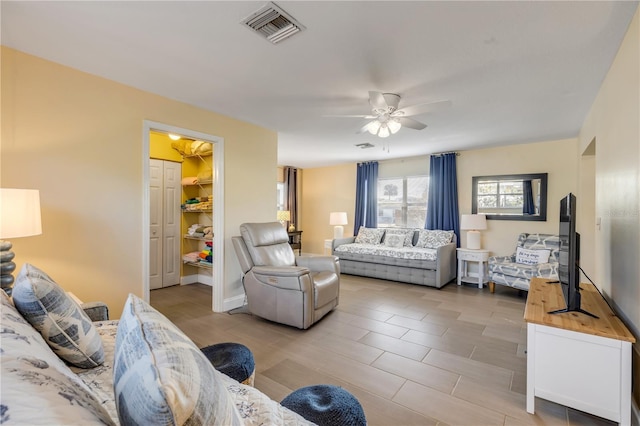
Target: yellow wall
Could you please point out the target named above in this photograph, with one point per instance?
(325, 190)
(557, 158)
(160, 148)
(328, 189)
(614, 123)
(78, 139)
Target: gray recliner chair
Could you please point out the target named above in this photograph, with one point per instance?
(282, 287)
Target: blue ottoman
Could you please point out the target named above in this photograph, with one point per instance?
(326, 405)
(234, 360)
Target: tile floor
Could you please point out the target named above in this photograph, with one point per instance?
(412, 355)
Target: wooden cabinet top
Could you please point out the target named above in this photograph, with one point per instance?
(544, 297)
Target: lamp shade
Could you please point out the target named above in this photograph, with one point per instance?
(19, 213)
(338, 218)
(473, 222)
(283, 215)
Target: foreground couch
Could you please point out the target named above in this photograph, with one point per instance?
(415, 256)
(60, 368)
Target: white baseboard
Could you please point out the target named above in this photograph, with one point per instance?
(197, 278)
(233, 302)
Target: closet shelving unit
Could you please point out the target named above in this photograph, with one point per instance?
(203, 188)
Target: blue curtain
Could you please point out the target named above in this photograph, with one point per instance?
(528, 206)
(442, 206)
(366, 196)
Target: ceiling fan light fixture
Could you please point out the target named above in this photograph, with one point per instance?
(373, 127)
(384, 131)
(394, 125)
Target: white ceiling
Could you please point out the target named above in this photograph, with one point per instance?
(515, 72)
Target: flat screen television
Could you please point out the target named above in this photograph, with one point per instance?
(569, 257)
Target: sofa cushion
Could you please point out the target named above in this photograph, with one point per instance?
(35, 379)
(379, 252)
(428, 238)
(61, 321)
(100, 379)
(369, 235)
(161, 377)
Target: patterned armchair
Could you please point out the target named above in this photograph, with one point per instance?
(504, 270)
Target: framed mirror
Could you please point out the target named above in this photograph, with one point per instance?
(510, 197)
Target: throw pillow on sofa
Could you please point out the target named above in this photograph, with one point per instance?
(405, 235)
(161, 377)
(63, 324)
(433, 239)
(37, 387)
(369, 235)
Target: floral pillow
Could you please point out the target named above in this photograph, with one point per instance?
(405, 235)
(369, 235)
(433, 238)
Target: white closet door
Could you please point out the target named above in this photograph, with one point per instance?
(155, 210)
(171, 223)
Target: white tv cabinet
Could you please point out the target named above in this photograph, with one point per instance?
(574, 359)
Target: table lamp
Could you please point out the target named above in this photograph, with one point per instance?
(283, 216)
(473, 224)
(19, 217)
(338, 219)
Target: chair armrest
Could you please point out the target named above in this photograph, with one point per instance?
(280, 271)
(284, 277)
(96, 311)
(318, 263)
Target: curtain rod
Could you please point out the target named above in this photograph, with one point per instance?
(448, 152)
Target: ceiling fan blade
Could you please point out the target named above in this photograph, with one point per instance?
(411, 123)
(377, 101)
(364, 129)
(422, 108)
(368, 116)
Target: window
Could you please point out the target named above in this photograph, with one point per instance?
(402, 202)
(280, 192)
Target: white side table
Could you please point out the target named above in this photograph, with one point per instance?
(328, 245)
(467, 255)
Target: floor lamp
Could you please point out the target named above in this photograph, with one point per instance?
(19, 217)
(338, 219)
(473, 224)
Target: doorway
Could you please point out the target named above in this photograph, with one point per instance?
(216, 273)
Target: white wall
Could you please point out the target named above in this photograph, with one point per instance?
(614, 123)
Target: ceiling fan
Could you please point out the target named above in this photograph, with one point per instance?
(387, 119)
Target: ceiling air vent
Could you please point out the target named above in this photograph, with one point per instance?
(273, 23)
(364, 145)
